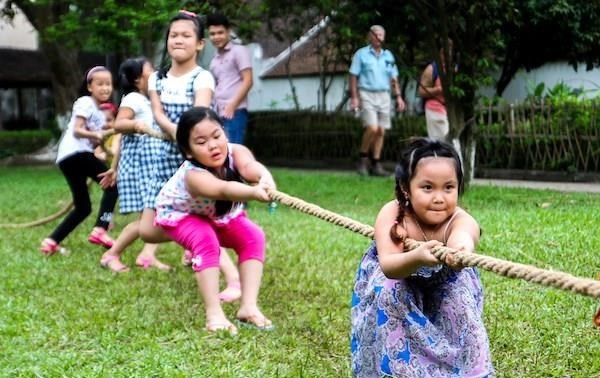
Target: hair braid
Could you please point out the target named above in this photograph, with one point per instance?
(402, 199)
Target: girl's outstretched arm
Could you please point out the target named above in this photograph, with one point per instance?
(127, 124)
(160, 117)
(463, 235)
(205, 184)
(394, 262)
(80, 130)
(250, 169)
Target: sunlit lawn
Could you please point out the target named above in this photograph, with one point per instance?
(65, 316)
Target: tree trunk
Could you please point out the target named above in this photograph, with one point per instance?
(65, 75)
(462, 135)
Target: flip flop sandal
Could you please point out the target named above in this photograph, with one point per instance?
(113, 263)
(101, 238)
(147, 263)
(50, 247)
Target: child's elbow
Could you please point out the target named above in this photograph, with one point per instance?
(391, 272)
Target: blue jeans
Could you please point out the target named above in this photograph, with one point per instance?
(236, 127)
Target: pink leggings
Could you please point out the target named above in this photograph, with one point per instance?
(204, 238)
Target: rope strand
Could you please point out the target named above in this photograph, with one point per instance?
(558, 280)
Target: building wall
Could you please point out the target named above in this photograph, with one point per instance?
(552, 74)
(18, 34)
(274, 93)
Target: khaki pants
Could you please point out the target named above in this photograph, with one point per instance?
(437, 124)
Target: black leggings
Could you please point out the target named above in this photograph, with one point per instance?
(76, 169)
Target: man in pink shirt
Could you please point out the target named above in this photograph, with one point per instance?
(232, 68)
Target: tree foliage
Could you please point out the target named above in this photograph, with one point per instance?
(114, 28)
(546, 31)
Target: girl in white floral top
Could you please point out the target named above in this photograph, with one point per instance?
(200, 208)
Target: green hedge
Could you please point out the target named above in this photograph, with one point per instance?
(308, 135)
(23, 141)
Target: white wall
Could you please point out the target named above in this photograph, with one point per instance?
(276, 94)
(18, 34)
(551, 74)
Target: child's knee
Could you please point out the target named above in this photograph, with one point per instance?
(205, 259)
(254, 247)
(83, 210)
(205, 253)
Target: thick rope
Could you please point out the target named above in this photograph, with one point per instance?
(41, 221)
(38, 222)
(558, 280)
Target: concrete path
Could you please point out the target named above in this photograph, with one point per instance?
(585, 187)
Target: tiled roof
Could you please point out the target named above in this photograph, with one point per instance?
(306, 56)
(304, 61)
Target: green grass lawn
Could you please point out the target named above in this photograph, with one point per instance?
(64, 316)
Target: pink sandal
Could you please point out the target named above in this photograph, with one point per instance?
(147, 263)
(113, 263)
(232, 292)
(50, 247)
(100, 238)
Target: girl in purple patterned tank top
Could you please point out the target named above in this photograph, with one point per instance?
(411, 315)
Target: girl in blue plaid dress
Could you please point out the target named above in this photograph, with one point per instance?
(134, 160)
(173, 90)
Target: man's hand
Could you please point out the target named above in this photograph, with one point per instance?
(400, 105)
(355, 102)
(228, 111)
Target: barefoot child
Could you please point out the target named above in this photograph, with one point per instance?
(77, 162)
(411, 316)
(200, 208)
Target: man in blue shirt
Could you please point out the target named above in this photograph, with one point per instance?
(373, 74)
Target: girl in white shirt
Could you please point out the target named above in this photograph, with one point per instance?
(77, 162)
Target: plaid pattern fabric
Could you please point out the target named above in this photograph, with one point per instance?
(128, 174)
(168, 159)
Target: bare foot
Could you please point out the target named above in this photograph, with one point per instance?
(232, 293)
(217, 324)
(254, 319)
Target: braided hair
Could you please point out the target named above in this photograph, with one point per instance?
(418, 149)
(188, 120)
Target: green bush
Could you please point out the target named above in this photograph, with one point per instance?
(306, 135)
(23, 141)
